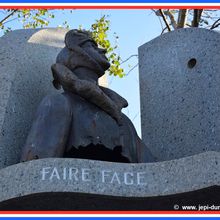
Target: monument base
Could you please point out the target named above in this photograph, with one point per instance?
(78, 184)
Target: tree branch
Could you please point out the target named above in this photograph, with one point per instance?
(163, 30)
(134, 55)
(165, 20)
(131, 69)
(215, 24)
(8, 16)
(158, 15)
(196, 17)
(13, 19)
(172, 19)
(182, 18)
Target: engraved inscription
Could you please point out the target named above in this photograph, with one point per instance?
(85, 175)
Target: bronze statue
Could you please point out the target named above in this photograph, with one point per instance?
(85, 121)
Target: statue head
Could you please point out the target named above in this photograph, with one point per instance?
(82, 51)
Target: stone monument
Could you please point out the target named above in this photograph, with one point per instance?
(65, 181)
(180, 93)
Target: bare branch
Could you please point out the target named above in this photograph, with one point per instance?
(158, 15)
(172, 19)
(13, 19)
(131, 69)
(8, 16)
(134, 55)
(215, 24)
(165, 20)
(200, 14)
(135, 116)
(196, 17)
(182, 18)
(211, 10)
(207, 15)
(163, 30)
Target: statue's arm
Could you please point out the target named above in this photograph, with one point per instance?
(50, 129)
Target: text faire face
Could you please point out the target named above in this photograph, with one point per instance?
(86, 175)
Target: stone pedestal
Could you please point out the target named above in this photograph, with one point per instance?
(180, 93)
(77, 184)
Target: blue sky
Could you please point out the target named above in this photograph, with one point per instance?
(134, 28)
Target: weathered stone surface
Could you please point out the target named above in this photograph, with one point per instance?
(180, 93)
(48, 179)
(26, 57)
(25, 78)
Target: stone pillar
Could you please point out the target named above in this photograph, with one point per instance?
(25, 78)
(180, 93)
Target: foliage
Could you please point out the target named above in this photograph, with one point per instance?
(99, 32)
(35, 18)
(28, 18)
